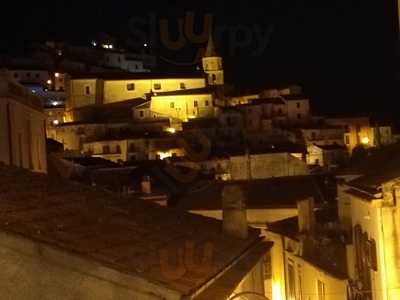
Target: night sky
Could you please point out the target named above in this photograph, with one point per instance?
(342, 51)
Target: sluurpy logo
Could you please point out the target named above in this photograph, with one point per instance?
(189, 258)
(153, 31)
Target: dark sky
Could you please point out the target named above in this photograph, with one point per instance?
(342, 51)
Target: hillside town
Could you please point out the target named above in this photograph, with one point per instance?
(124, 181)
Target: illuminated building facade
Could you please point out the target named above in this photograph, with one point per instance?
(22, 127)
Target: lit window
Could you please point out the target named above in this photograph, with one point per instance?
(172, 105)
(196, 104)
(130, 86)
(157, 86)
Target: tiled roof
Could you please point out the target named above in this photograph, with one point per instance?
(126, 235)
(199, 91)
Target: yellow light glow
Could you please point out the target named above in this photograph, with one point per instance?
(56, 122)
(49, 81)
(57, 75)
(276, 291)
(164, 155)
(365, 140)
(191, 117)
(171, 130)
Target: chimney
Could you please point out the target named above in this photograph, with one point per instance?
(306, 215)
(146, 185)
(234, 213)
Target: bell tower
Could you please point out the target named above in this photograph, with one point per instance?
(212, 64)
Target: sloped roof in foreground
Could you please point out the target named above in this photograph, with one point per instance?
(125, 235)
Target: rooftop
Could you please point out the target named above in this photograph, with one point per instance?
(325, 249)
(283, 192)
(295, 97)
(135, 76)
(200, 91)
(379, 167)
(125, 235)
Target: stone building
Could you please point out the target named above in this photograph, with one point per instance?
(266, 201)
(369, 211)
(309, 256)
(252, 166)
(329, 156)
(22, 127)
(361, 131)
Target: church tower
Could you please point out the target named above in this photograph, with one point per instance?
(212, 64)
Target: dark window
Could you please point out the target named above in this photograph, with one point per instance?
(118, 149)
(299, 116)
(16, 75)
(196, 104)
(132, 148)
(37, 75)
(214, 77)
(321, 290)
(130, 86)
(292, 282)
(87, 90)
(141, 113)
(298, 104)
(347, 140)
(267, 266)
(157, 86)
(313, 135)
(206, 103)
(28, 74)
(373, 258)
(183, 86)
(172, 105)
